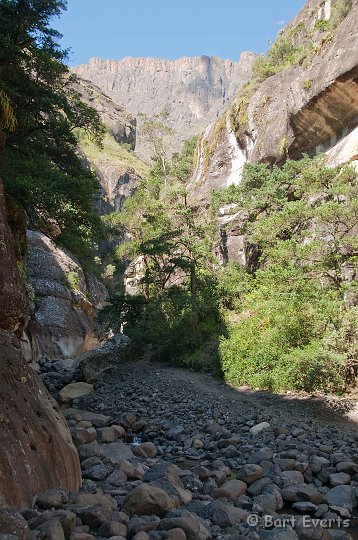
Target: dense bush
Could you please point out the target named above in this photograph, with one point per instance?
(295, 329)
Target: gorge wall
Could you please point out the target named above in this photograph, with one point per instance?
(36, 447)
(194, 91)
(117, 168)
(65, 298)
(309, 107)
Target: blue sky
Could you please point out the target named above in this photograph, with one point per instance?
(112, 29)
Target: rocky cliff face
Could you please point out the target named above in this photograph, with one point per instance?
(36, 448)
(194, 91)
(115, 165)
(65, 301)
(309, 107)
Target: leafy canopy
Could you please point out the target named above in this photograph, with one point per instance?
(40, 166)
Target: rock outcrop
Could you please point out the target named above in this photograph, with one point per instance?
(116, 166)
(36, 449)
(117, 120)
(194, 91)
(65, 301)
(309, 107)
(94, 364)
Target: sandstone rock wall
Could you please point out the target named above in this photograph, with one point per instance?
(220, 161)
(118, 121)
(306, 108)
(36, 448)
(117, 184)
(36, 452)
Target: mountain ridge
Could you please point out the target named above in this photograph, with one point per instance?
(193, 90)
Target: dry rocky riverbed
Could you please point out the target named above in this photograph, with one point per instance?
(169, 453)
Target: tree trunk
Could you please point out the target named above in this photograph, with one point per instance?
(194, 306)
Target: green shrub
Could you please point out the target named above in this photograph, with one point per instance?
(321, 24)
(73, 280)
(315, 368)
(293, 329)
(340, 10)
(281, 54)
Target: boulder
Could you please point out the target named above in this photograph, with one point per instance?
(12, 523)
(108, 529)
(97, 420)
(228, 515)
(338, 479)
(147, 499)
(255, 430)
(230, 490)
(341, 496)
(52, 498)
(163, 470)
(189, 523)
(250, 473)
(146, 450)
(292, 478)
(116, 452)
(178, 494)
(74, 391)
(93, 515)
(302, 492)
(95, 363)
(52, 529)
(83, 435)
(65, 517)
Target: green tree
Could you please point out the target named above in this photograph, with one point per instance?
(155, 132)
(175, 250)
(298, 324)
(40, 166)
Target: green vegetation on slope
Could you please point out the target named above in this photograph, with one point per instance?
(119, 155)
(297, 327)
(174, 312)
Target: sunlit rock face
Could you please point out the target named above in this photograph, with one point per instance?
(220, 161)
(193, 90)
(308, 108)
